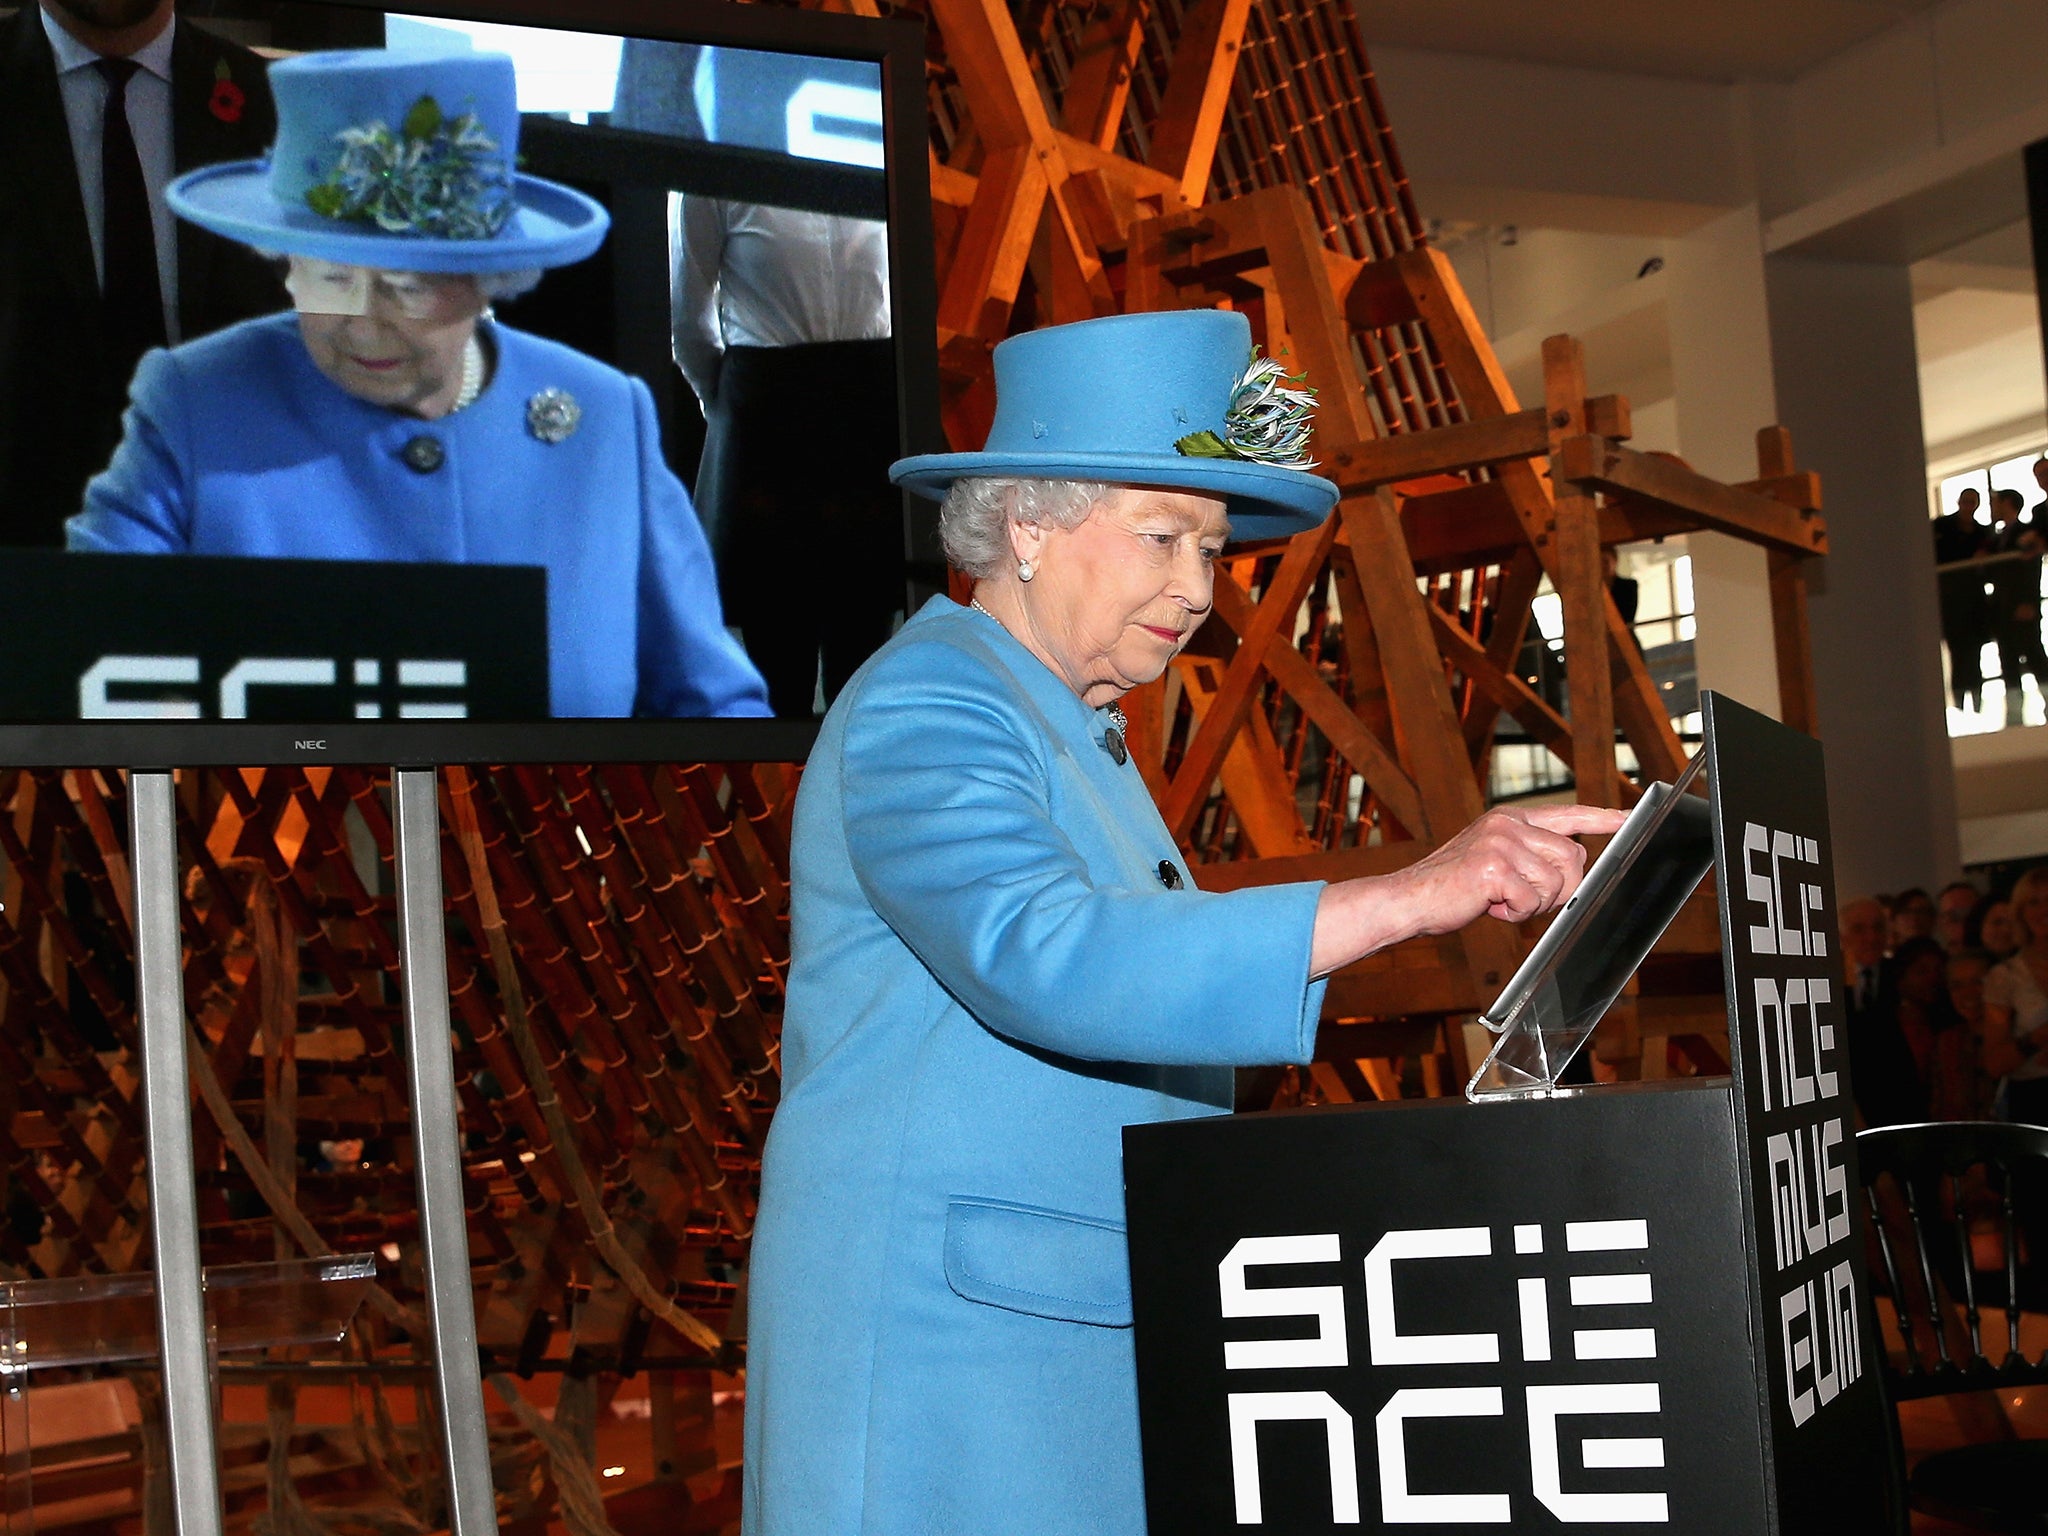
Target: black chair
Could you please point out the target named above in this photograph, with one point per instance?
(2001, 1485)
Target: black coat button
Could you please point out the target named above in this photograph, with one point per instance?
(1169, 876)
(424, 454)
(1113, 744)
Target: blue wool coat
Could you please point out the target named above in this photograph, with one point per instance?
(237, 445)
(988, 982)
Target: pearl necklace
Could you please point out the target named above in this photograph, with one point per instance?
(472, 376)
(1119, 727)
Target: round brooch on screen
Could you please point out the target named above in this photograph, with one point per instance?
(553, 415)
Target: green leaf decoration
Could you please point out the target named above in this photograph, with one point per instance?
(424, 120)
(327, 200)
(1204, 445)
(221, 70)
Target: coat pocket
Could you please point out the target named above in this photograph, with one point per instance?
(1045, 1263)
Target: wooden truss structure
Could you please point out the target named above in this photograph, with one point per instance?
(619, 936)
(1340, 720)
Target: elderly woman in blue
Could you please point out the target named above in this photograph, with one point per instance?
(999, 959)
(392, 419)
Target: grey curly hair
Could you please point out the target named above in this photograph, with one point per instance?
(974, 521)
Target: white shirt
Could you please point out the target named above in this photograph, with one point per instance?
(84, 90)
(748, 275)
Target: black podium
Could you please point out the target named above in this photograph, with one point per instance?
(1630, 1306)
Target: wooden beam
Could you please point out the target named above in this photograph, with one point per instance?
(1332, 865)
(983, 49)
(1260, 791)
(1362, 466)
(1488, 439)
(1330, 1081)
(1514, 601)
(1190, 113)
(1283, 227)
(1297, 675)
(1219, 727)
(1610, 416)
(1099, 83)
(1792, 642)
(1638, 704)
(1077, 286)
(1139, 179)
(1474, 524)
(954, 189)
(1368, 675)
(1544, 724)
(1254, 781)
(1377, 297)
(1791, 636)
(1799, 488)
(1010, 118)
(1146, 710)
(1589, 461)
(1425, 720)
(1441, 304)
(1432, 983)
(995, 244)
(1581, 584)
(1469, 526)
(1104, 210)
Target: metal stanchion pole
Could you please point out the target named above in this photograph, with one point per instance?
(437, 1154)
(167, 1124)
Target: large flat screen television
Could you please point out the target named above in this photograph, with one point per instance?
(350, 580)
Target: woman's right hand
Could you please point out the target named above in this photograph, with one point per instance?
(1509, 864)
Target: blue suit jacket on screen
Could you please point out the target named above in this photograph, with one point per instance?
(237, 445)
(989, 981)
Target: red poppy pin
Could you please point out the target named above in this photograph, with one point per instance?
(228, 99)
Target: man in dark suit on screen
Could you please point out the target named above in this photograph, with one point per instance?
(101, 103)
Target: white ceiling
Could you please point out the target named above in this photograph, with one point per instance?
(1722, 40)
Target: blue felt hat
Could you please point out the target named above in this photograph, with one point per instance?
(402, 161)
(1108, 400)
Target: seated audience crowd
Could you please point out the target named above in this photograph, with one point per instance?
(1947, 1002)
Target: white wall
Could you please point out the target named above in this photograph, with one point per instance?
(1722, 386)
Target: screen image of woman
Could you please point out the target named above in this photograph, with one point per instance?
(393, 418)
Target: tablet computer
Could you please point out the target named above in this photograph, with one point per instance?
(1585, 958)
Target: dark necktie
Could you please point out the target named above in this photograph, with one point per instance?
(132, 298)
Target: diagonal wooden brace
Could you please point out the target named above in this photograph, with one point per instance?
(1277, 607)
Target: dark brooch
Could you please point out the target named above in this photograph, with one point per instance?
(1113, 738)
(553, 415)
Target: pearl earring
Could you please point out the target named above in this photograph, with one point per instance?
(1026, 570)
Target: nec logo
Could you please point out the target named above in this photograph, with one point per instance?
(310, 746)
(1613, 1290)
(176, 688)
